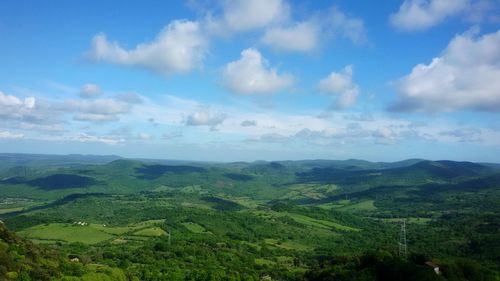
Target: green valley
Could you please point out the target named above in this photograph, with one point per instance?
(124, 219)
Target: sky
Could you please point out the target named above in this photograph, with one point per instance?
(236, 80)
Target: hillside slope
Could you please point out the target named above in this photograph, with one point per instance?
(20, 259)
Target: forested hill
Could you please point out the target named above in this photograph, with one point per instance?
(93, 218)
(20, 259)
(23, 260)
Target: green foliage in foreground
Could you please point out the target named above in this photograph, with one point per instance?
(22, 260)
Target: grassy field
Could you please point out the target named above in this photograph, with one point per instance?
(118, 230)
(329, 206)
(67, 233)
(194, 227)
(312, 191)
(320, 223)
(89, 234)
(10, 210)
(305, 220)
(367, 205)
(115, 230)
(150, 232)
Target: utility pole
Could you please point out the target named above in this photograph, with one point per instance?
(402, 240)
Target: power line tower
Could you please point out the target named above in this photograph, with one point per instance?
(402, 240)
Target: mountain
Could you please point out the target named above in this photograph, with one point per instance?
(10, 160)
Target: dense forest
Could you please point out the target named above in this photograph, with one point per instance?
(107, 218)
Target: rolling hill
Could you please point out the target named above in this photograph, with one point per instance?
(287, 220)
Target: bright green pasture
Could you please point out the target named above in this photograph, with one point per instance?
(194, 227)
(150, 232)
(67, 233)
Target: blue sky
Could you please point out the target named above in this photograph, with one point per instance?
(248, 80)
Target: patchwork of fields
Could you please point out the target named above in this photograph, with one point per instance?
(260, 219)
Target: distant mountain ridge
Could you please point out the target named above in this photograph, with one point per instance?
(9, 160)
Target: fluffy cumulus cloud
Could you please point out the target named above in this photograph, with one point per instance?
(178, 48)
(98, 110)
(340, 84)
(306, 35)
(30, 114)
(301, 36)
(242, 15)
(12, 107)
(89, 91)
(465, 76)
(251, 74)
(205, 118)
(49, 119)
(414, 15)
(7, 101)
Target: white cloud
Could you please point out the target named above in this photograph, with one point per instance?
(251, 74)
(466, 76)
(299, 37)
(85, 137)
(15, 102)
(93, 117)
(89, 91)
(340, 24)
(243, 15)
(205, 118)
(340, 85)
(12, 107)
(414, 15)
(178, 48)
(10, 135)
(98, 110)
(29, 102)
(306, 35)
(103, 106)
